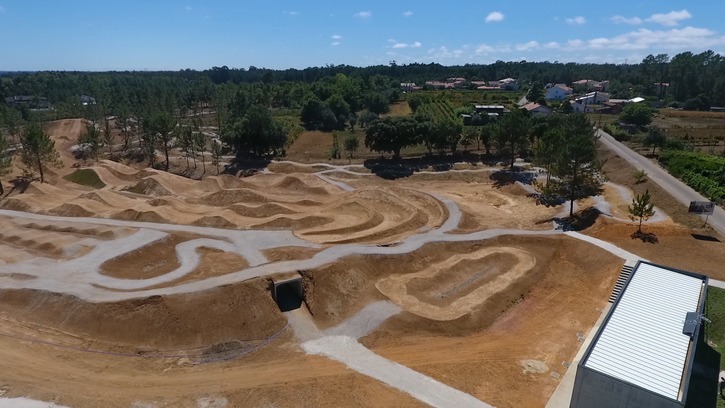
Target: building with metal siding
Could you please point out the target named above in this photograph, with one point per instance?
(641, 356)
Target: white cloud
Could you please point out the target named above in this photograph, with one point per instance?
(484, 49)
(531, 45)
(670, 19)
(335, 43)
(291, 13)
(624, 20)
(416, 44)
(407, 13)
(494, 17)
(363, 14)
(578, 20)
(336, 37)
(443, 52)
(688, 38)
(551, 45)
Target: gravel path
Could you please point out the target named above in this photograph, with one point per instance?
(679, 190)
(348, 351)
(340, 344)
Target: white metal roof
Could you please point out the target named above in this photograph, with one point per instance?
(642, 343)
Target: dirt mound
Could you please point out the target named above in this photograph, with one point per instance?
(294, 223)
(119, 170)
(223, 182)
(226, 198)
(215, 221)
(261, 211)
(95, 197)
(150, 186)
(70, 210)
(135, 215)
(93, 231)
(296, 185)
(337, 291)
(241, 312)
(15, 204)
(159, 202)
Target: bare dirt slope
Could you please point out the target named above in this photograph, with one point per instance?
(494, 317)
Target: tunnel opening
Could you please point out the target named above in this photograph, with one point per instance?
(289, 295)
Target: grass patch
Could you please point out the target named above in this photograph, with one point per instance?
(716, 313)
(85, 177)
(715, 333)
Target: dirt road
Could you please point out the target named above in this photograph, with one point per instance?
(681, 191)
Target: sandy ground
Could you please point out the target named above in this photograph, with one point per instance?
(154, 290)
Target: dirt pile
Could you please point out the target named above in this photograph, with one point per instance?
(337, 291)
(241, 312)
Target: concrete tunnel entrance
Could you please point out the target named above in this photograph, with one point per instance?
(287, 292)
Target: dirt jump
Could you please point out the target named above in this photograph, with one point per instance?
(158, 290)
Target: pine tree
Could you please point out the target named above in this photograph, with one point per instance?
(641, 209)
(6, 160)
(38, 150)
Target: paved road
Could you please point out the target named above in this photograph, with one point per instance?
(675, 187)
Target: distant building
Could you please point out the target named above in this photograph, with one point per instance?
(508, 84)
(558, 92)
(467, 119)
(27, 101)
(409, 87)
(591, 85)
(650, 349)
(593, 98)
(449, 83)
(87, 100)
(490, 110)
(537, 110)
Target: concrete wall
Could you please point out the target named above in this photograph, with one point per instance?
(595, 390)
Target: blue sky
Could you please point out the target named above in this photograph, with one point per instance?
(171, 35)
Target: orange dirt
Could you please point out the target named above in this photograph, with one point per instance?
(504, 334)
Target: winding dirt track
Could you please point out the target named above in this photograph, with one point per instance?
(80, 276)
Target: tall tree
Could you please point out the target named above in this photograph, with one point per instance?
(108, 138)
(257, 132)
(641, 209)
(90, 142)
(391, 134)
(536, 93)
(200, 145)
(636, 114)
(38, 150)
(6, 160)
(511, 134)
(352, 143)
(576, 163)
(217, 150)
(161, 125)
(655, 137)
(546, 150)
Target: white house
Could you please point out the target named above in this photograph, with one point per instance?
(508, 84)
(580, 107)
(537, 110)
(593, 98)
(558, 92)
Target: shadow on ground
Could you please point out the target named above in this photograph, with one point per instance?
(581, 220)
(506, 177)
(703, 387)
(647, 237)
(701, 237)
(391, 169)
